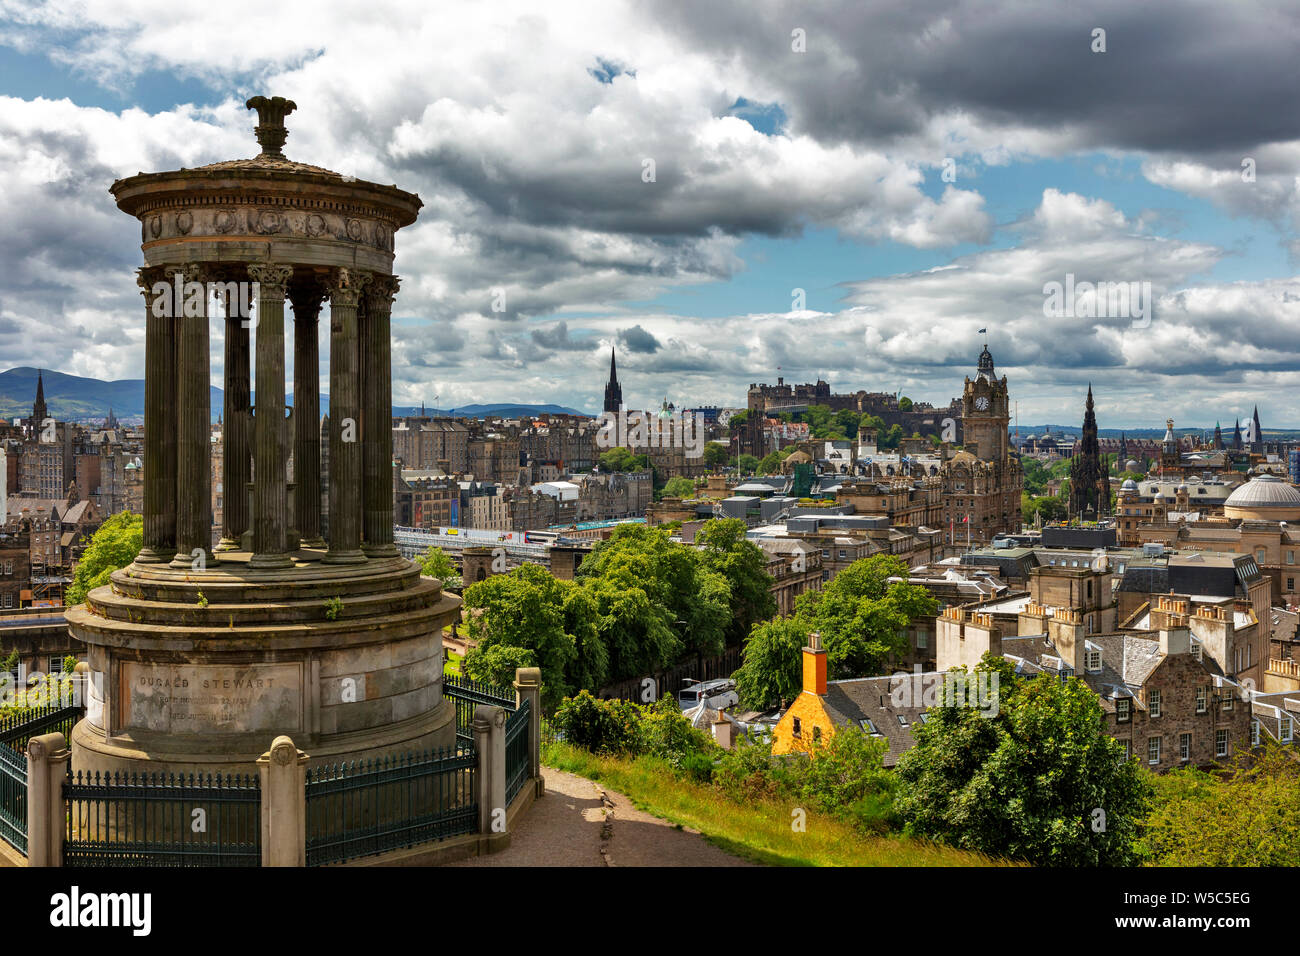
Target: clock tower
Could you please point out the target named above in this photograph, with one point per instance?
(985, 412)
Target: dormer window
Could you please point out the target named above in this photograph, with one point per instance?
(1092, 660)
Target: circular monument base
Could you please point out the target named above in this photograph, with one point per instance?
(198, 671)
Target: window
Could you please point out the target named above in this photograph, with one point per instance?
(925, 718)
(1254, 732)
(1092, 660)
(1153, 702)
(922, 640)
(817, 735)
(1128, 749)
(1153, 750)
(1221, 743)
(902, 721)
(1290, 557)
(1290, 584)
(1259, 555)
(843, 554)
(9, 600)
(1123, 709)
(56, 664)
(1227, 701)
(1286, 728)
(798, 728)
(1197, 651)
(1184, 747)
(869, 727)
(1202, 700)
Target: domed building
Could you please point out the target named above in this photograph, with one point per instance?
(1265, 498)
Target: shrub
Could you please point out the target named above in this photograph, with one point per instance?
(601, 726)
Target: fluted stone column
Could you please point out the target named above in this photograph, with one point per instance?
(238, 419)
(270, 431)
(377, 418)
(345, 288)
(159, 420)
(306, 301)
(193, 421)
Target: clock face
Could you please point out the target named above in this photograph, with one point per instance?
(982, 403)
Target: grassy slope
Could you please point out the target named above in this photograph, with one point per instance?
(755, 830)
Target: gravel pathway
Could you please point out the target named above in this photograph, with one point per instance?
(579, 823)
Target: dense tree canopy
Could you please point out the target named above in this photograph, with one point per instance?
(113, 546)
(1038, 780)
(679, 486)
(639, 602)
(862, 617)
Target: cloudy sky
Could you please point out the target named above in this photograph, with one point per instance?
(919, 171)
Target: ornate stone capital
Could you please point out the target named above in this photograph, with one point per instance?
(196, 272)
(383, 291)
(346, 286)
(272, 278)
(148, 279)
(306, 298)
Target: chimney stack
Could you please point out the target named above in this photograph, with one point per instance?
(814, 666)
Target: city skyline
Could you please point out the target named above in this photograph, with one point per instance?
(940, 205)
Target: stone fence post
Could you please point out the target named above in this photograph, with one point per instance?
(490, 742)
(528, 686)
(81, 678)
(283, 774)
(47, 766)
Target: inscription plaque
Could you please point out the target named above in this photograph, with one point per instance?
(213, 699)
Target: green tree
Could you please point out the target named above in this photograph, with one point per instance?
(771, 671)
(747, 464)
(771, 464)
(1250, 817)
(1039, 780)
(113, 546)
(904, 404)
(667, 582)
(436, 563)
(518, 620)
(679, 486)
(725, 549)
(622, 460)
(716, 454)
(862, 616)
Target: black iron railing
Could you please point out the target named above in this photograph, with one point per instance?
(17, 729)
(360, 809)
(467, 694)
(162, 820)
(13, 798)
(517, 728)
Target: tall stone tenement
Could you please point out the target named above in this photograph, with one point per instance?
(201, 657)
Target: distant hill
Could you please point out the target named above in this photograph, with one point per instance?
(481, 411)
(74, 398)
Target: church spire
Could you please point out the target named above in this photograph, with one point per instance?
(613, 391)
(39, 411)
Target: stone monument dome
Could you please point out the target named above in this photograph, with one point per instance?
(1267, 497)
(301, 618)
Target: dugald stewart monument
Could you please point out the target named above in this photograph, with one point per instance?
(303, 620)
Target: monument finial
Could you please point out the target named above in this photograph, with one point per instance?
(270, 129)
